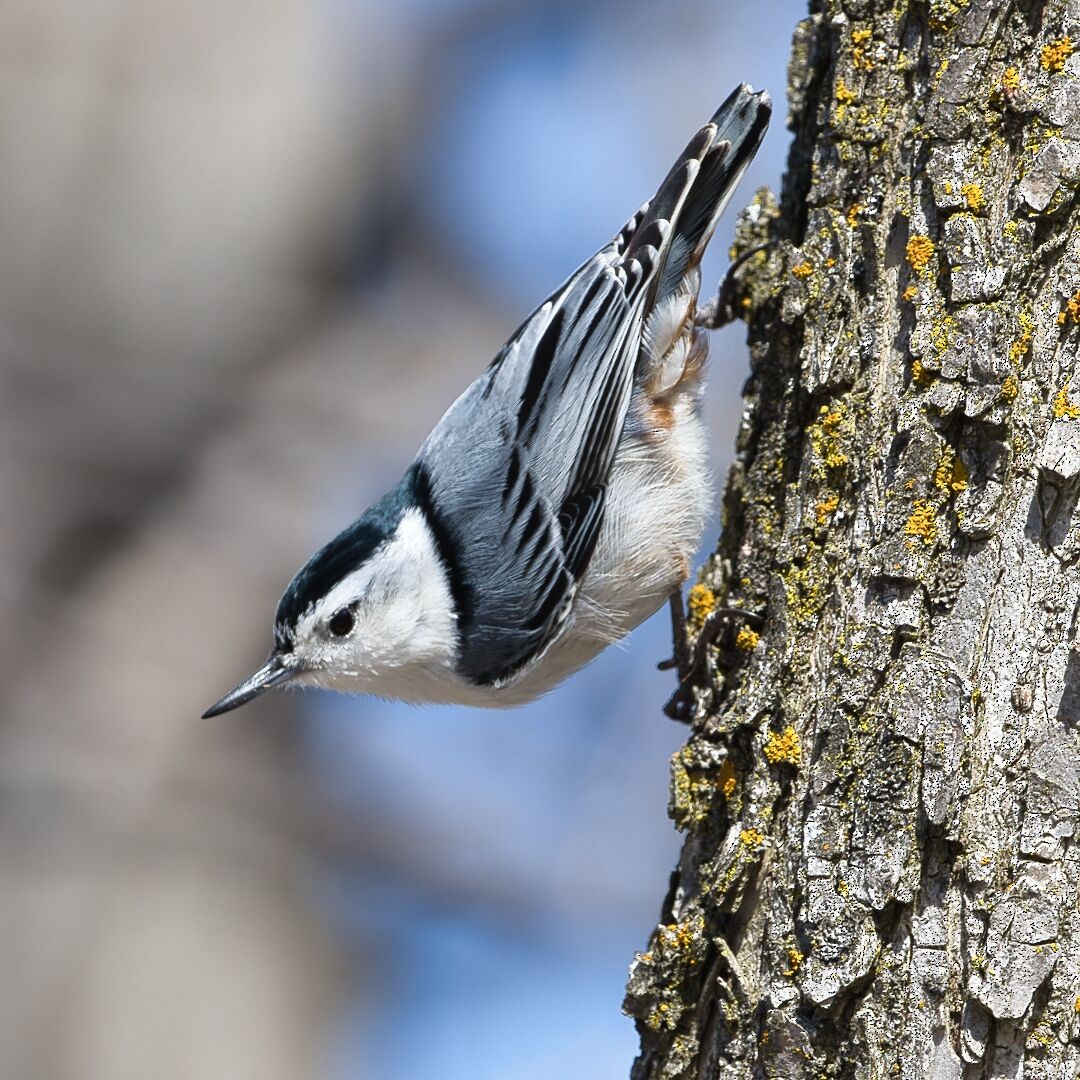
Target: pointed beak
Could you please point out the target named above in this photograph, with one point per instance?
(275, 670)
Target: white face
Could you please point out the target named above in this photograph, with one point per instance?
(392, 614)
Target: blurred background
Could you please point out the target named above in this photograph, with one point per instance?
(249, 252)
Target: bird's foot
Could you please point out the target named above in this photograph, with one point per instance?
(679, 704)
(721, 309)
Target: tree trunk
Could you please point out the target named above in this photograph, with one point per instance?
(881, 786)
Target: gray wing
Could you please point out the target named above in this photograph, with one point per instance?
(514, 476)
(513, 479)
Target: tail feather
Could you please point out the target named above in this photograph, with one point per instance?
(682, 216)
(741, 122)
(740, 125)
(663, 207)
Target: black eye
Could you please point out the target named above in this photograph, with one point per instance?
(342, 622)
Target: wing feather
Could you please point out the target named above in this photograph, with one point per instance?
(516, 472)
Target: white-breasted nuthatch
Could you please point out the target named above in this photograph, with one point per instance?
(558, 502)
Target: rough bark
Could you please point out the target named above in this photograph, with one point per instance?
(881, 792)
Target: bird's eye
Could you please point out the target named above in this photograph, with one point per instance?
(342, 622)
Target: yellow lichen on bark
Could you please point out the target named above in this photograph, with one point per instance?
(783, 746)
(701, 603)
(1054, 55)
(825, 509)
(922, 523)
(1022, 345)
(973, 196)
(859, 40)
(1063, 407)
(1070, 311)
(950, 475)
(919, 250)
(795, 959)
(727, 778)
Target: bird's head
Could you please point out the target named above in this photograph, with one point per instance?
(375, 601)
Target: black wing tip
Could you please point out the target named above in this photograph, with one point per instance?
(744, 108)
(764, 98)
(741, 122)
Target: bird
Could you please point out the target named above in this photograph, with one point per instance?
(558, 502)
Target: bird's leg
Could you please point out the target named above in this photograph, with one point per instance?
(678, 705)
(721, 309)
(680, 658)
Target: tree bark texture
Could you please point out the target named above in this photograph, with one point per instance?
(881, 786)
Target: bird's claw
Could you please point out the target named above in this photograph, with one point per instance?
(721, 309)
(692, 660)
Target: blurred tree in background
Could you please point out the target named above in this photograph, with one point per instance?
(881, 794)
(251, 251)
